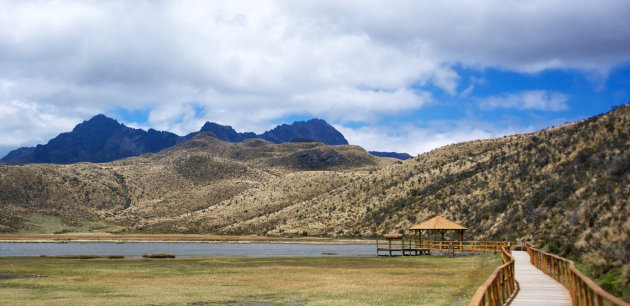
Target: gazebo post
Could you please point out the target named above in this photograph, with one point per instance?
(415, 238)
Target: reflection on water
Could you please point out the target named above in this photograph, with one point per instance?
(185, 249)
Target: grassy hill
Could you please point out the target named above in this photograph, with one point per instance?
(193, 176)
(566, 189)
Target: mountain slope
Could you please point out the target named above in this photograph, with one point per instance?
(503, 188)
(100, 139)
(226, 132)
(151, 188)
(18, 156)
(315, 129)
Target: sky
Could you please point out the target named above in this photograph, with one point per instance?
(405, 76)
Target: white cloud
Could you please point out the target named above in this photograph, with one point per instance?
(30, 123)
(466, 92)
(350, 104)
(263, 60)
(409, 139)
(415, 140)
(528, 100)
(517, 35)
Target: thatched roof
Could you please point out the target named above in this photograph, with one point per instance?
(393, 236)
(437, 223)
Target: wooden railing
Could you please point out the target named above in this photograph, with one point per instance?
(393, 245)
(408, 246)
(582, 289)
(468, 246)
(500, 286)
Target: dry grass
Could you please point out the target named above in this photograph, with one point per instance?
(340, 281)
(244, 180)
(104, 237)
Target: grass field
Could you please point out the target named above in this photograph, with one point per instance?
(233, 280)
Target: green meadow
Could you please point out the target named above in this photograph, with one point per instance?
(422, 280)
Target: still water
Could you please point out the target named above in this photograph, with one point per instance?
(186, 249)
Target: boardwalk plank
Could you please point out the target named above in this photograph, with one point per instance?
(536, 287)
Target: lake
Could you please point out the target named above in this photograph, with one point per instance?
(186, 249)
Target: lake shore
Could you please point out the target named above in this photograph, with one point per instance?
(106, 237)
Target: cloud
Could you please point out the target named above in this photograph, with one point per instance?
(466, 92)
(528, 100)
(248, 63)
(415, 140)
(31, 123)
(526, 36)
(350, 104)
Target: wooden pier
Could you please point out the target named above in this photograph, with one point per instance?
(526, 277)
(399, 246)
(536, 277)
(536, 287)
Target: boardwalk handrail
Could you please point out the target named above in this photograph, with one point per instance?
(467, 246)
(408, 246)
(582, 289)
(500, 286)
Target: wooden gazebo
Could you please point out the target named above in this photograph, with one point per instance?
(435, 226)
(435, 243)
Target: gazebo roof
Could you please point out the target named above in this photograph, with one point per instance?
(393, 236)
(437, 223)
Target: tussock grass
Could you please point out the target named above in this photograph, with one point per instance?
(314, 281)
(161, 255)
(77, 256)
(83, 256)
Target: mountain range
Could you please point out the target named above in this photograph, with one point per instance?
(102, 139)
(565, 189)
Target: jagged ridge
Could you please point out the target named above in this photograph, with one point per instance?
(102, 139)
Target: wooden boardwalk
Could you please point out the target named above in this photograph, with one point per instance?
(536, 287)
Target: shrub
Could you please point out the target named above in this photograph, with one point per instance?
(161, 255)
(619, 164)
(498, 206)
(77, 256)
